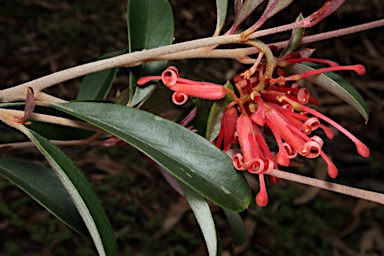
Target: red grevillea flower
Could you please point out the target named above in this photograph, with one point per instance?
(267, 105)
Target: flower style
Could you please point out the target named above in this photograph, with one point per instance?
(277, 105)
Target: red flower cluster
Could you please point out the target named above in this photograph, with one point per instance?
(276, 105)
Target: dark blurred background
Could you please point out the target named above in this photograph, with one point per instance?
(38, 37)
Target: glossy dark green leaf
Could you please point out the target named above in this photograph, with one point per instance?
(333, 83)
(204, 218)
(216, 114)
(150, 25)
(123, 97)
(200, 121)
(96, 86)
(59, 132)
(42, 184)
(160, 101)
(221, 10)
(237, 226)
(187, 156)
(81, 192)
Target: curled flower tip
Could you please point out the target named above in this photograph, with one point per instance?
(303, 95)
(179, 98)
(173, 68)
(362, 149)
(310, 125)
(311, 149)
(237, 161)
(169, 76)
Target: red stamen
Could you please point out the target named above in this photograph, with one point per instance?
(359, 69)
(262, 197)
(332, 170)
(286, 62)
(147, 79)
(361, 148)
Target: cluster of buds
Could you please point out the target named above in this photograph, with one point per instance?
(273, 104)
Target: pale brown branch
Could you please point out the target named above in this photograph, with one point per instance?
(355, 192)
(14, 115)
(29, 144)
(129, 59)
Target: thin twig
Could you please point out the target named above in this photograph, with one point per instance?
(355, 192)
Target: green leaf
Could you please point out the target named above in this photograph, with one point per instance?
(295, 39)
(237, 227)
(333, 83)
(189, 157)
(246, 9)
(200, 121)
(59, 132)
(41, 184)
(204, 217)
(150, 25)
(96, 86)
(159, 101)
(12, 104)
(281, 4)
(81, 192)
(216, 114)
(221, 8)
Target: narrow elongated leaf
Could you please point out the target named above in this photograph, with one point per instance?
(237, 226)
(59, 132)
(295, 39)
(81, 193)
(247, 8)
(42, 184)
(204, 217)
(11, 104)
(221, 9)
(216, 114)
(237, 6)
(150, 25)
(333, 83)
(186, 155)
(96, 86)
(277, 5)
